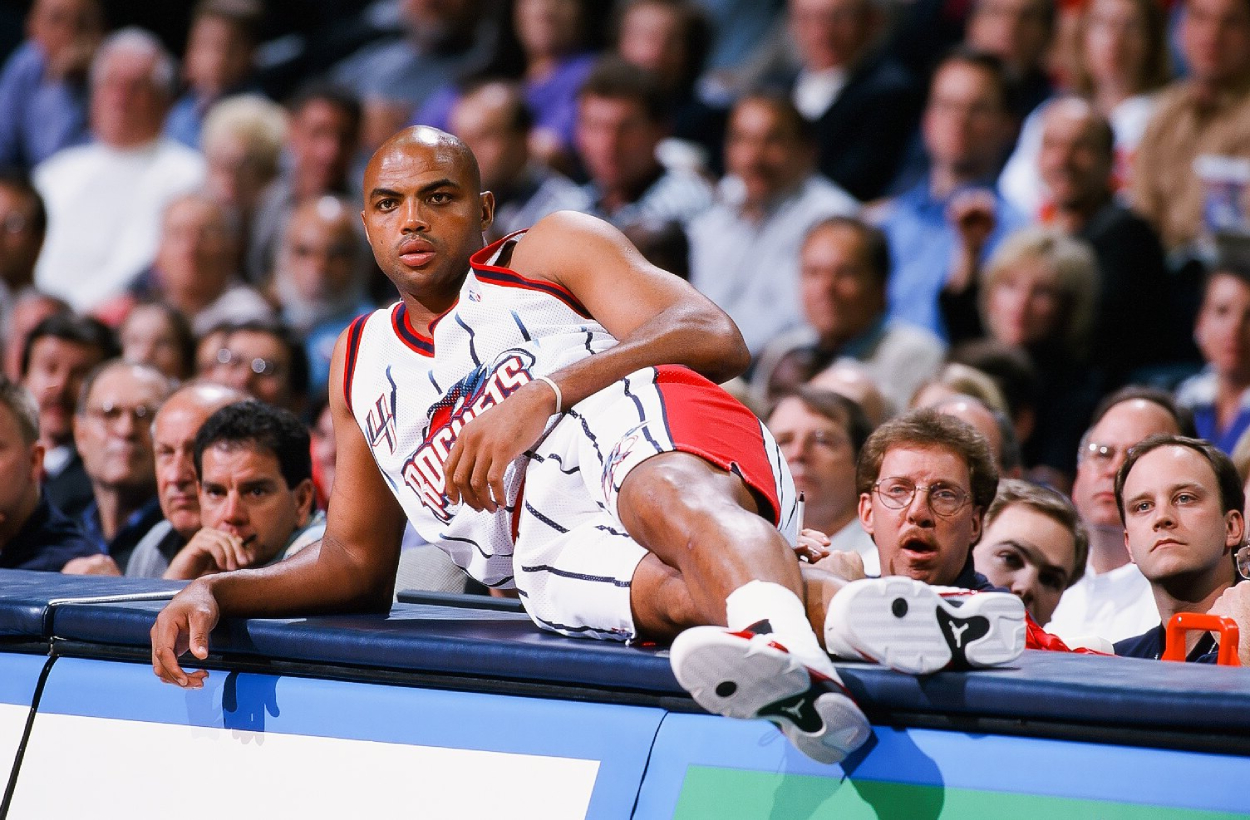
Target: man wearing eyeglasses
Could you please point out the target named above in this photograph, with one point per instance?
(113, 430)
(264, 360)
(1113, 599)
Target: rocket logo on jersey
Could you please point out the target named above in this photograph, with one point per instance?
(476, 393)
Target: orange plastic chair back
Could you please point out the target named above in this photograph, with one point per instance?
(1183, 622)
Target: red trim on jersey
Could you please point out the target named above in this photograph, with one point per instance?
(354, 331)
(508, 278)
(705, 421)
(408, 334)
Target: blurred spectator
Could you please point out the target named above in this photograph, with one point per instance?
(850, 378)
(1132, 326)
(1219, 397)
(60, 351)
(105, 199)
(862, 104)
(177, 485)
(1181, 500)
(156, 334)
(219, 60)
(242, 139)
(320, 278)
(1034, 544)
(745, 250)
(993, 425)
(23, 223)
(820, 433)
(955, 380)
(33, 534)
(321, 139)
(43, 87)
(1121, 61)
(324, 451)
(1019, 33)
(29, 309)
(1207, 113)
(113, 431)
(256, 492)
(265, 360)
(494, 122)
(1013, 376)
(671, 39)
(621, 119)
(844, 271)
(1113, 600)
(552, 60)
(442, 40)
(940, 229)
(1038, 294)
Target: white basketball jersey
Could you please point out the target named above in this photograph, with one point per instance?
(410, 403)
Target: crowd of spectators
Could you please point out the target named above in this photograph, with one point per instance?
(1028, 215)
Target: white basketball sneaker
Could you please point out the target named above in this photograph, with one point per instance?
(749, 675)
(913, 627)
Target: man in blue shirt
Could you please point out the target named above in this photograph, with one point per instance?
(33, 534)
(942, 228)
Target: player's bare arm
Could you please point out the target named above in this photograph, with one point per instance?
(353, 570)
(657, 318)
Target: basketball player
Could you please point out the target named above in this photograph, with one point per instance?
(535, 408)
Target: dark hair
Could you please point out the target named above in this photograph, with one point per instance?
(245, 15)
(19, 182)
(779, 101)
(1050, 503)
(837, 408)
(1232, 494)
(253, 423)
(298, 375)
(615, 79)
(925, 427)
(991, 64)
(520, 118)
(876, 243)
(70, 327)
(1010, 368)
(1183, 418)
(336, 95)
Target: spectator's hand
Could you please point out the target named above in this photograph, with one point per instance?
(210, 551)
(475, 467)
(184, 624)
(1235, 603)
(813, 545)
(972, 215)
(848, 565)
(92, 565)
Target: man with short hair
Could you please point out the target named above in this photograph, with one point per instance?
(943, 226)
(113, 430)
(744, 251)
(23, 223)
(493, 120)
(1034, 545)
(177, 487)
(265, 360)
(622, 115)
(844, 278)
(33, 534)
(1018, 32)
(1181, 501)
(1205, 113)
(820, 433)
(105, 198)
(58, 355)
(255, 491)
(1113, 599)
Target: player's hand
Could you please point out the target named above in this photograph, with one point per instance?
(812, 546)
(847, 565)
(1234, 603)
(184, 624)
(210, 551)
(91, 565)
(475, 467)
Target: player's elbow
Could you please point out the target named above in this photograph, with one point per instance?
(731, 357)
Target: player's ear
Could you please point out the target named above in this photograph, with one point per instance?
(488, 209)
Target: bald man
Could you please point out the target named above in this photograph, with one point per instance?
(521, 361)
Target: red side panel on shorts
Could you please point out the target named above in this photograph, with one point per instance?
(707, 422)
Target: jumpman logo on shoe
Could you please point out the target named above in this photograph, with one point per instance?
(961, 632)
(957, 632)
